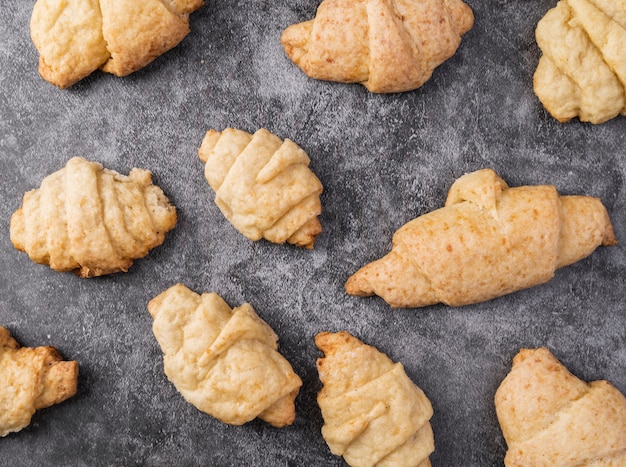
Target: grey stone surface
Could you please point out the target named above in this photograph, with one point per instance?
(383, 160)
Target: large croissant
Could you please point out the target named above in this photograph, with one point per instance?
(76, 37)
(582, 71)
(488, 240)
(263, 185)
(551, 418)
(92, 220)
(373, 413)
(388, 46)
(223, 361)
(32, 379)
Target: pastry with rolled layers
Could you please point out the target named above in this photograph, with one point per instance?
(387, 46)
(489, 240)
(374, 415)
(91, 220)
(582, 72)
(33, 378)
(263, 185)
(223, 361)
(549, 417)
(76, 37)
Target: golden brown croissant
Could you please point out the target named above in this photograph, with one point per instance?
(388, 46)
(32, 379)
(373, 413)
(488, 240)
(92, 220)
(223, 361)
(582, 72)
(551, 418)
(263, 185)
(76, 37)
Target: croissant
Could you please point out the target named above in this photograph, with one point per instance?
(488, 240)
(582, 72)
(32, 379)
(76, 37)
(549, 417)
(92, 220)
(223, 361)
(263, 185)
(373, 413)
(387, 46)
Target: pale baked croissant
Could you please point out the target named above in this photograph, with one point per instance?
(33, 378)
(374, 415)
(488, 240)
(76, 37)
(388, 46)
(263, 185)
(582, 72)
(92, 220)
(549, 417)
(223, 361)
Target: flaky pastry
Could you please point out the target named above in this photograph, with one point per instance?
(33, 378)
(263, 185)
(582, 72)
(374, 415)
(223, 361)
(92, 220)
(550, 418)
(488, 240)
(387, 46)
(76, 37)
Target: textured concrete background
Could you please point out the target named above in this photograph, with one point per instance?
(383, 160)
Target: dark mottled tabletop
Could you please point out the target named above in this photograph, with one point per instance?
(383, 160)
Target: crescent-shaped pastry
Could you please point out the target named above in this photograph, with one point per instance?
(489, 240)
(76, 37)
(387, 46)
(582, 72)
(374, 415)
(92, 220)
(263, 185)
(33, 378)
(550, 418)
(223, 361)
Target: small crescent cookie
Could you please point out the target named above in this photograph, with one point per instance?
(92, 220)
(32, 379)
(76, 37)
(582, 72)
(223, 361)
(263, 185)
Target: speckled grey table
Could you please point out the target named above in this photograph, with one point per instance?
(383, 160)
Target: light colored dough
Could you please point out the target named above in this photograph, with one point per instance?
(388, 46)
(373, 413)
(550, 418)
(488, 240)
(76, 37)
(582, 72)
(223, 361)
(33, 378)
(92, 220)
(263, 185)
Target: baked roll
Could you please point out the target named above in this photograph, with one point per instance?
(489, 240)
(387, 46)
(76, 37)
(223, 361)
(33, 378)
(549, 417)
(373, 413)
(263, 185)
(582, 72)
(92, 220)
